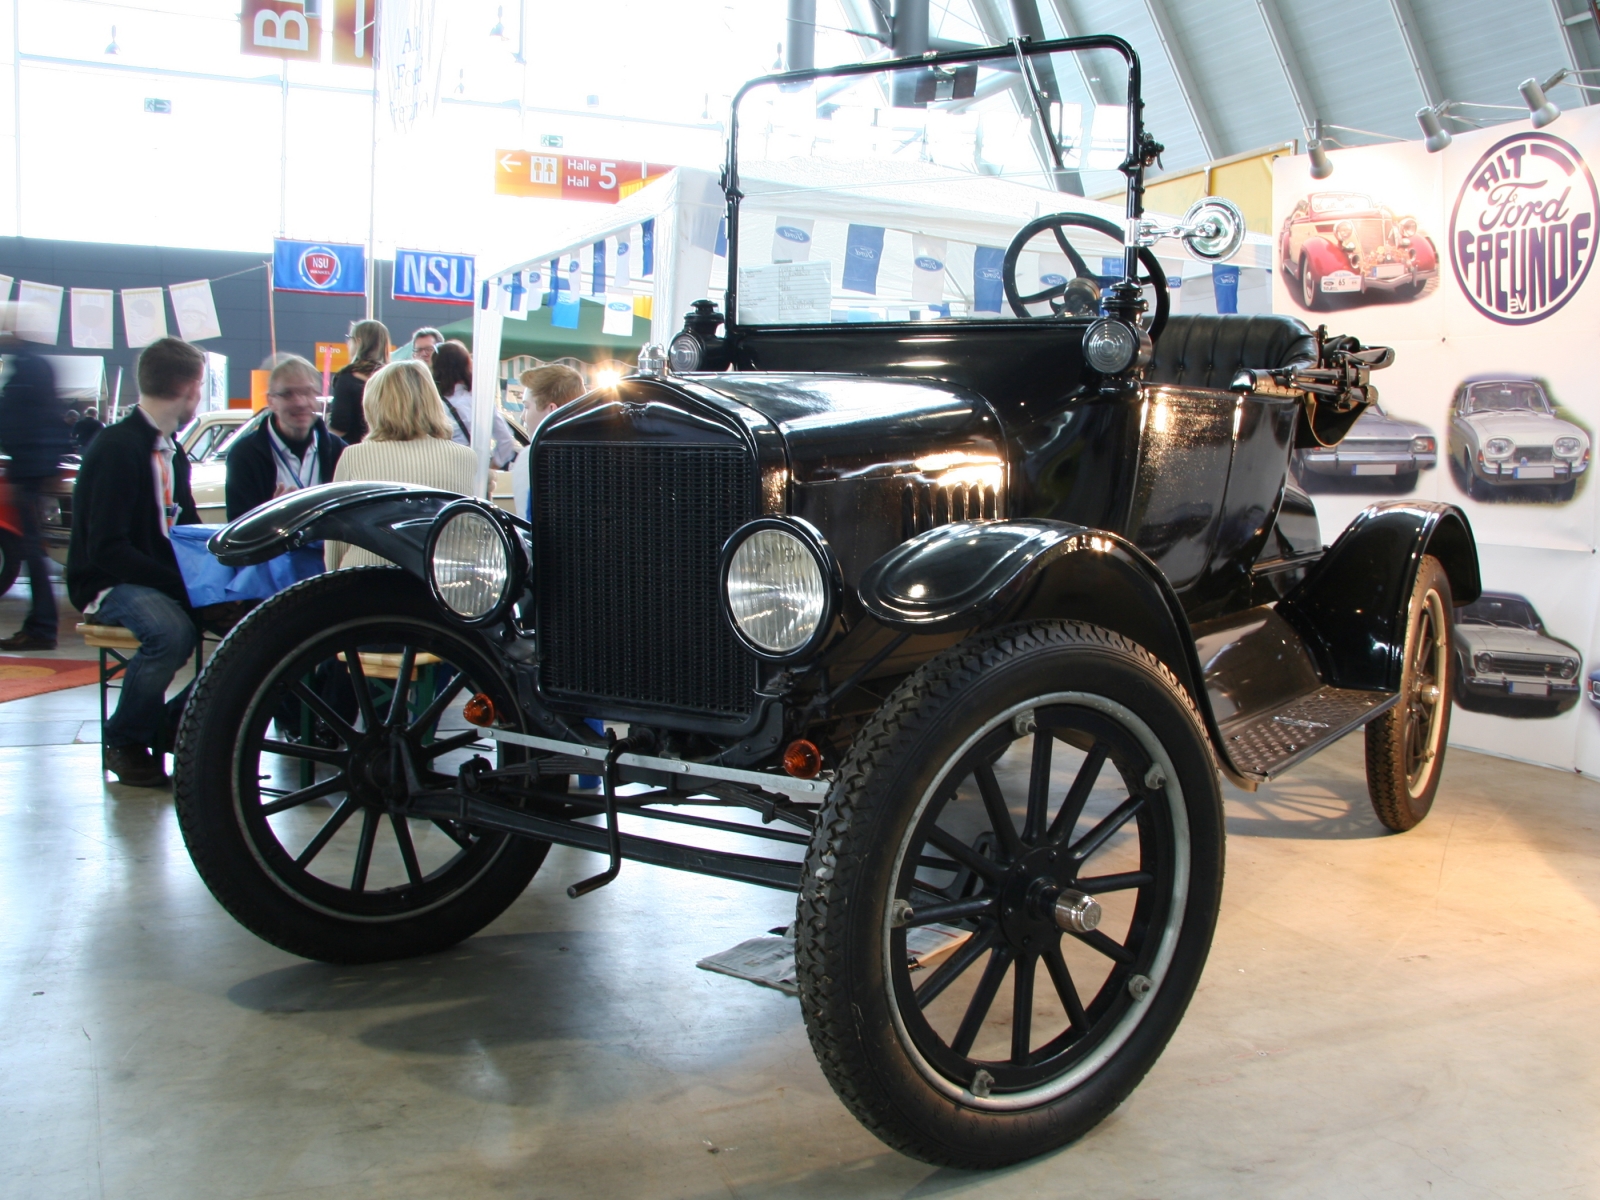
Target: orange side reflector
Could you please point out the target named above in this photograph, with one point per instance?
(479, 710)
(802, 759)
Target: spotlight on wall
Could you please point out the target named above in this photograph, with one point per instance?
(1435, 137)
(1321, 164)
(1542, 111)
(112, 47)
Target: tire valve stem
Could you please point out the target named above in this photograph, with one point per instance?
(900, 914)
(982, 1082)
(1138, 986)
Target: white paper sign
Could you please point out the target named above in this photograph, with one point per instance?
(927, 269)
(784, 293)
(39, 312)
(91, 318)
(144, 315)
(196, 310)
(619, 314)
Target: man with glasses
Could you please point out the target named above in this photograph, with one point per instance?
(423, 343)
(288, 450)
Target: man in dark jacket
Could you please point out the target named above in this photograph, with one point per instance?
(34, 433)
(290, 449)
(132, 488)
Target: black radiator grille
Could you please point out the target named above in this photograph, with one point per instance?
(628, 543)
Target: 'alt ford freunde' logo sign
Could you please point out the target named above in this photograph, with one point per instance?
(319, 267)
(1522, 235)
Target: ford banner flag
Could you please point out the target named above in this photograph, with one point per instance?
(438, 278)
(863, 248)
(987, 285)
(331, 268)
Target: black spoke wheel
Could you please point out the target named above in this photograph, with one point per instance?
(1406, 745)
(1080, 296)
(307, 733)
(1011, 895)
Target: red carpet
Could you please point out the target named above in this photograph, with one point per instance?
(21, 677)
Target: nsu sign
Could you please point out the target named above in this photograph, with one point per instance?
(437, 278)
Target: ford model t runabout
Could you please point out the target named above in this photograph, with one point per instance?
(949, 579)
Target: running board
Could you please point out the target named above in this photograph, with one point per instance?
(1267, 744)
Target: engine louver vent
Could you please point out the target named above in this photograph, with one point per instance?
(925, 505)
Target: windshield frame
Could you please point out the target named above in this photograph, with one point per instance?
(1132, 166)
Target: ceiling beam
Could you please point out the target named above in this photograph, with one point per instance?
(1188, 87)
(1417, 52)
(1288, 61)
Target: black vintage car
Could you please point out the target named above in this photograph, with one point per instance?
(960, 612)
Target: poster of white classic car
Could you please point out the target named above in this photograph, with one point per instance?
(1346, 246)
(1382, 452)
(1510, 665)
(1508, 441)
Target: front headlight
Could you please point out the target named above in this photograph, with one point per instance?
(1110, 347)
(470, 562)
(1569, 668)
(684, 354)
(1423, 445)
(1484, 663)
(1344, 232)
(1498, 447)
(1568, 447)
(778, 582)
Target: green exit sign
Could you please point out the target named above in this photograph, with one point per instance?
(157, 106)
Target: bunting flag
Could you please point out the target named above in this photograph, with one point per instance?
(39, 312)
(196, 310)
(927, 269)
(533, 284)
(1055, 270)
(721, 248)
(647, 249)
(622, 259)
(144, 316)
(597, 273)
(791, 239)
(987, 288)
(91, 318)
(619, 314)
(564, 314)
(863, 249)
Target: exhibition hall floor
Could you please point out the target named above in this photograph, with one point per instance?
(1382, 1016)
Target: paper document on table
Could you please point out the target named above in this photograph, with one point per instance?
(798, 293)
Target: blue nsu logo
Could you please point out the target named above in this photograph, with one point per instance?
(925, 262)
(790, 233)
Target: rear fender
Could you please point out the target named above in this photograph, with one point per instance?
(1352, 605)
(389, 519)
(964, 576)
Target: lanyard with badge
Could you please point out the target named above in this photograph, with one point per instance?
(287, 460)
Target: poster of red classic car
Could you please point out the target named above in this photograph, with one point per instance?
(1474, 264)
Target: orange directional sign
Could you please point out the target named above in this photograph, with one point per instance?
(548, 176)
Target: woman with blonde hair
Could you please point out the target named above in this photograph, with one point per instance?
(369, 350)
(408, 441)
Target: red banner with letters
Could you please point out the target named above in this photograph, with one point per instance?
(279, 29)
(542, 175)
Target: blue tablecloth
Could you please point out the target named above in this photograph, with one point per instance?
(209, 582)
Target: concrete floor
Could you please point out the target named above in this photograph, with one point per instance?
(1382, 1016)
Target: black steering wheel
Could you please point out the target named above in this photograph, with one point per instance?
(1081, 296)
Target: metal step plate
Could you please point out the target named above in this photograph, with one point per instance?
(1267, 744)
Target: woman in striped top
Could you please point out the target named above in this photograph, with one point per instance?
(408, 441)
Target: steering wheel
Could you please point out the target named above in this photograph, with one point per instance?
(1081, 296)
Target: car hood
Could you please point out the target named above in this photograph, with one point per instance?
(1523, 427)
(1373, 425)
(1512, 641)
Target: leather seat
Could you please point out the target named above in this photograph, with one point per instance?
(1205, 350)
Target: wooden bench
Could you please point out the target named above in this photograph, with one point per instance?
(117, 645)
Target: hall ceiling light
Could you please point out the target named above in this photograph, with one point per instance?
(1435, 137)
(1319, 143)
(1541, 111)
(499, 30)
(113, 48)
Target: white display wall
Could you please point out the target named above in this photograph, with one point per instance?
(1511, 314)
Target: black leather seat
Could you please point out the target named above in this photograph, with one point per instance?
(1205, 350)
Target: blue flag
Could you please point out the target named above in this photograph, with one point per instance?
(721, 250)
(987, 288)
(1225, 286)
(564, 313)
(647, 248)
(597, 278)
(863, 248)
(331, 268)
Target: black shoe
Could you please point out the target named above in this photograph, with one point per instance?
(135, 767)
(27, 641)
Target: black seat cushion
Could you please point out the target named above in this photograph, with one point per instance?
(1206, 350)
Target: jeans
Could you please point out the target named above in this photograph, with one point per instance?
(29, 496)
(166, 639)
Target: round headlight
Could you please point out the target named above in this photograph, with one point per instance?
(1110, 346)
(777, 585)
(1569, 668)
(1484, 663)
(1408, 227)
(1344, 231)
(684, 353)
(469, 563)
(1499, 447)
(1568, 447)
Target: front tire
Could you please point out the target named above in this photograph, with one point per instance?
(1406, 746)
(303, 836)
(1107, 762)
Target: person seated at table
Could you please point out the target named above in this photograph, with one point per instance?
(291, 449)
(452, 375)
(408, 441)
(133, 487)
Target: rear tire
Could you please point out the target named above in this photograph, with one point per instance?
(925, 784)
(302, 836)
(1406, 746)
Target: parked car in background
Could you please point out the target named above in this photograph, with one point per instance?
(1505, 436)
(1378, 445)
(1594, 687)
(1335, 244)
(1509, 664)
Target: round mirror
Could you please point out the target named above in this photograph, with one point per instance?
(1214, 229)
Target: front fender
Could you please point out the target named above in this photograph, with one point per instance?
(1325, 256)
(962, 576)
(389, 519)
(1352, 606)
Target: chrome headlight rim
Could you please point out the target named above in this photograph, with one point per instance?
(832, 584)
(1499, 447)
(511, 545)
(680, 349)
